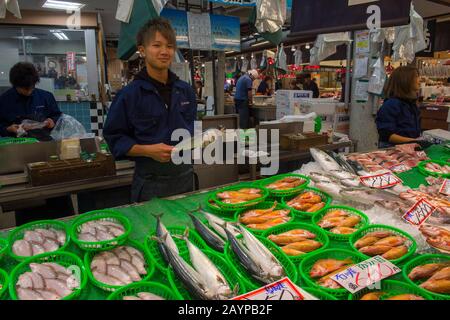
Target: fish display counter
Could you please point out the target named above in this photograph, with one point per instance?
(218, 244)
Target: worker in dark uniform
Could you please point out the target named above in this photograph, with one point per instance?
(25, 102)
(144, 114)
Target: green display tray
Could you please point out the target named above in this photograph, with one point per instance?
(18, 234)
(378, 227)
(3, 248)
(4, 281)
(64, 259)
(265, 205)
(423, 170)
(392, 288)
(143, 286)
(421, 260)
(308, 215)
(89, 255)
(321, 236)
(285, 193)
(340, 237)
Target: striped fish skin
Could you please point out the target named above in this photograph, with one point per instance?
(210, 237)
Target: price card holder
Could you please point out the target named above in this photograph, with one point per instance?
(381, 181)
(419, 213)
(284, 289)
(366, 274)
(445, 188)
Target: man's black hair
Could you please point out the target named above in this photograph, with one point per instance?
(23, 75)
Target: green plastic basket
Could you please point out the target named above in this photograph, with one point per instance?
(319, 294)
(151, 287)
(423, 170)
(421, 260)
(155, 255)
(3, 247)
(251, 283)
(289, 192)
(392, 288)
(3, 282)
(265, 205)
(218, 210)
(339, 254)
(19, 232)
(321, 236)
(227, 206)
(340, 237)
(65, 259)
(378, 227)
(9, 141)
(308, 215)
(89, 255)
(109, 215)
(227, 271)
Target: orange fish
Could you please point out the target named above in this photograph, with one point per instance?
(392, 241)
(292, 252)
(331, 222)
(336, 213)
(350, 221)
(250, 191)
(395, 253)
(372, 296)
(238, 195)
(379, 234)
(442, 243)
(258, 212)
(285, 240)
(425, 271)
(305, 246)
(316, 207)
(437, 286)
(343, 230)
(365, 241)
(265, 217)
(285, 184)
(443, 274)
(325, 266)
(375, 250)
(406, 297)
(269, 224)
(329, 283)
(299, 232)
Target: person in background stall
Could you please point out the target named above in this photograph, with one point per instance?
(293, 85)
(199, 89)
(145, 113)
(243, 98)
(310, 85)
(25, 102)
(264, 88)
(398, 120)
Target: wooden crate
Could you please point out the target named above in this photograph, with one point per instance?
(295, 142)
(47, 173)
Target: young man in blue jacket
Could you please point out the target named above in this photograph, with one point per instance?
(25, 102)
(144, 114)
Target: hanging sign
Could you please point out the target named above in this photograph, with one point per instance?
(445, 189)
(199, 25)
(430, 39)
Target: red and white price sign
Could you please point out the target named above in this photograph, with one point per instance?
(445, 189)
(400, 168)
(381, 181)
(70, 61)
(284, 289)
(419, 213)
(368, 273)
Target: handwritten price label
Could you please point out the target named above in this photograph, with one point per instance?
(366, 274)
(419, 213)
(280, 290)
(445, 189)
(399, 168)
(381, 181)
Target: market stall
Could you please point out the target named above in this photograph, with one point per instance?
(282, 212)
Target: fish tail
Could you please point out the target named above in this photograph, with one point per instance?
(157, 216)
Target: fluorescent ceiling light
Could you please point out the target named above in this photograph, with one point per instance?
(59, 34)
(26, 38)
(260, 44)
(62, 5)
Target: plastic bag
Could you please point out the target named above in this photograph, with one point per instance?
(298, 57)
(269, 16)
(253, 64)
(68, 127)
(378, 78)
(416, 31)
(27, 125)
(282, 59)
(159, 5)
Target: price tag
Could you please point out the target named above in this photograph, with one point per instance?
(381, 181)
(445, 189)
(366, 274)
(421, 154)
(419, 213)
(280, 290)
(399, 168)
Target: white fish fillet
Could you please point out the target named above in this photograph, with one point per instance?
(28, 294)
(149, 296)
(32, 236)
(131, 298)
(45, 271)
(22, 248)
(37, 249)
(50, 245)
(103, 278)
(58, 286)
(131, 270)
(49, 295)
(25, 281)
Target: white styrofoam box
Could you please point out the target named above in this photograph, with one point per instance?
(322, 107)
(288, 101)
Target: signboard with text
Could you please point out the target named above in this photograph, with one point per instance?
(280, 290)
